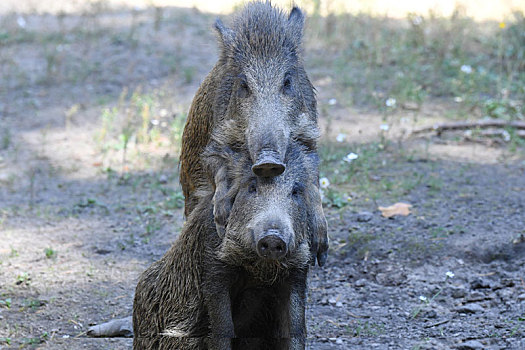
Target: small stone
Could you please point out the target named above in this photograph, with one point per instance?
(470, 308)
(339, 304)
(479, 283)
(470, 345)
(521, 296)
(339, 341)
(394, 278)
(5, 178)
(360, 283)
(458, 293)
(163, 179)
(429, 314)
(364, 216)
(332, 301)
(507, 282)
(332, 339)
(102, 251)
(476, 296)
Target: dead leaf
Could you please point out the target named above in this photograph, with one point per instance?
(396, 209)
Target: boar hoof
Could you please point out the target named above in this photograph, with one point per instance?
(272, 246)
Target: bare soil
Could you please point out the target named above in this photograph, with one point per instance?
(75, 236)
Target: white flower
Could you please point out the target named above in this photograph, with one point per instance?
(506, 135)
(384, 127)
(340, 137)
(417, 20)
(350, 157)
(450, 274)
(390, 102)
(163, 113)
(458, 99)
(21, 22)
(466, 69)
(154, 122)
(324, 182)
(332, 101)
(422, 298)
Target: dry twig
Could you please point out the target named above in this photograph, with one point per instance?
(479, 124)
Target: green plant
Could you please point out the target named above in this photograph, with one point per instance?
(50, 253)
(23, 278)
(13, 253)
(6, 302)
(426, 301)
(455, 57)
(6, 139)
(34, 303)
(175, 200)
(334, 198)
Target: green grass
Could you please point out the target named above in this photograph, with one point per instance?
(136, 124)
(50, 253)
(454, 58)
(372, 176)
(6, 302)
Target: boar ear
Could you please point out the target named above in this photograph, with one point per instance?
(296, 20)
(225, 34)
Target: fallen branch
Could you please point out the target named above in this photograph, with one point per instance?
(480, 124)
(436, 324)
(121, 327)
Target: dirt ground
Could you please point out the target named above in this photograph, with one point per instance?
(78, 224)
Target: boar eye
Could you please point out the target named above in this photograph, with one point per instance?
(297, 190)
(252, 188)
(244, 90)
(287, 84)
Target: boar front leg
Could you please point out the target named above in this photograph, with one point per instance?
(291, 331)
(216, 292)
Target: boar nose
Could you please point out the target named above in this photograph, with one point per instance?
(272, 246)
(268, 164)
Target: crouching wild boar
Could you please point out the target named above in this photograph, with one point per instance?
(259, 84)
(246, 290)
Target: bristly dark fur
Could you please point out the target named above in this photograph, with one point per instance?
(262, 46)
(208, 293)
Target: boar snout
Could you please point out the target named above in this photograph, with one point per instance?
(267, 149)
(268, 164)
(272, 245)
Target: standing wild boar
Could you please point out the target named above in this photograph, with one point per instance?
(246, 290)
(259, 84)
